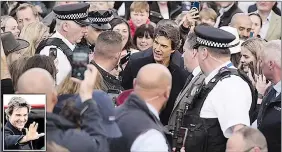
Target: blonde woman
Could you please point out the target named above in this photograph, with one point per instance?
(34, 33)
(68, 87)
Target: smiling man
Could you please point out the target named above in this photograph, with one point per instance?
(16, 135)
(164, 51)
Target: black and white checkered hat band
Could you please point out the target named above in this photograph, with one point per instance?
(211, 43)
(100, 20)
(73, 16)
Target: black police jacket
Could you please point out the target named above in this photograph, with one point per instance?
(269, 122)
(13, 137)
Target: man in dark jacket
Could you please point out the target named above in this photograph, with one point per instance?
(228, 9)
(138, 118)
(91, 136)
(269, 116)
(164, 51)
(16, 136)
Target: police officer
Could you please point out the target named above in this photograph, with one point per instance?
(71, 26)
(221, 104)
(99, 23)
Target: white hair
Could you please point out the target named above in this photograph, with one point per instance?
(272, 52)
(59, 24)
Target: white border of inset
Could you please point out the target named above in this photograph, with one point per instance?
(27, 97)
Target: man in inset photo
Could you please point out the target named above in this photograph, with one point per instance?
(16, 136)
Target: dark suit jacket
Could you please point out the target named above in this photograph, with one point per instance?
(227, 16)
(12, 138)
(176, 67)
(269, 121)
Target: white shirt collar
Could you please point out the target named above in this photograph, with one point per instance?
(153, 110)
(214, 72)
(277, 87)
(67, 42)
(268, 17)
(196, 71)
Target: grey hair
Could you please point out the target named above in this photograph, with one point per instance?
(272, 51)
(16, 102)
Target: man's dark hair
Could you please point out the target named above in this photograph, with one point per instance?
(170, 32)
(165, 22)
(41, 61)
(106, 42)
(191, 40)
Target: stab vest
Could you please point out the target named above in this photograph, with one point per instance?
(205, 134)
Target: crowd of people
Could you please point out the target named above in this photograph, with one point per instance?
(158, 76)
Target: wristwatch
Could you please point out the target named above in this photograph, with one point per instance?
(260, 96)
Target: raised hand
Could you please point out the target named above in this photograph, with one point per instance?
(31, 132)
(87, 85)
(261, 84)
(190, 18)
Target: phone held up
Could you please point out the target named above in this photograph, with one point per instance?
(53, 53)
(80, 59)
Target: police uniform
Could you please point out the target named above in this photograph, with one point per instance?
(74, 12)
(99, 20)
(223, 100)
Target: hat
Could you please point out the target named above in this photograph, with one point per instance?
(123, 96)
(10, 44)
(100, 19)
(234, 46)
(77, 12)
(213, 37)
(106, 109)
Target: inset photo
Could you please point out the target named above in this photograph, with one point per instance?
(24, 122)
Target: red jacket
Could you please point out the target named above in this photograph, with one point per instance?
(133, 28)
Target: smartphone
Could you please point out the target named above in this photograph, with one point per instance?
(196, 5)
(251, 34)
(181, 138)
(124, 59)
(113, 93)
(53, 53)
(80, 59)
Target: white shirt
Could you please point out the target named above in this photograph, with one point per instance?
(277, 88)
(196, 71)
(265, 26)
(150, 141)
(64, 66)
(229, 101)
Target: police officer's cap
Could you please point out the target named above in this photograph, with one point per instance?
(213, 37)
(100, 19)
(77, 12)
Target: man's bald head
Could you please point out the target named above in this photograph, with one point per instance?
(153, 76)
(37, 80)
(243, 23)
(153, 85)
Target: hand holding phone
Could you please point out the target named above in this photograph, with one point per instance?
(53, 53)
(80, 59)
